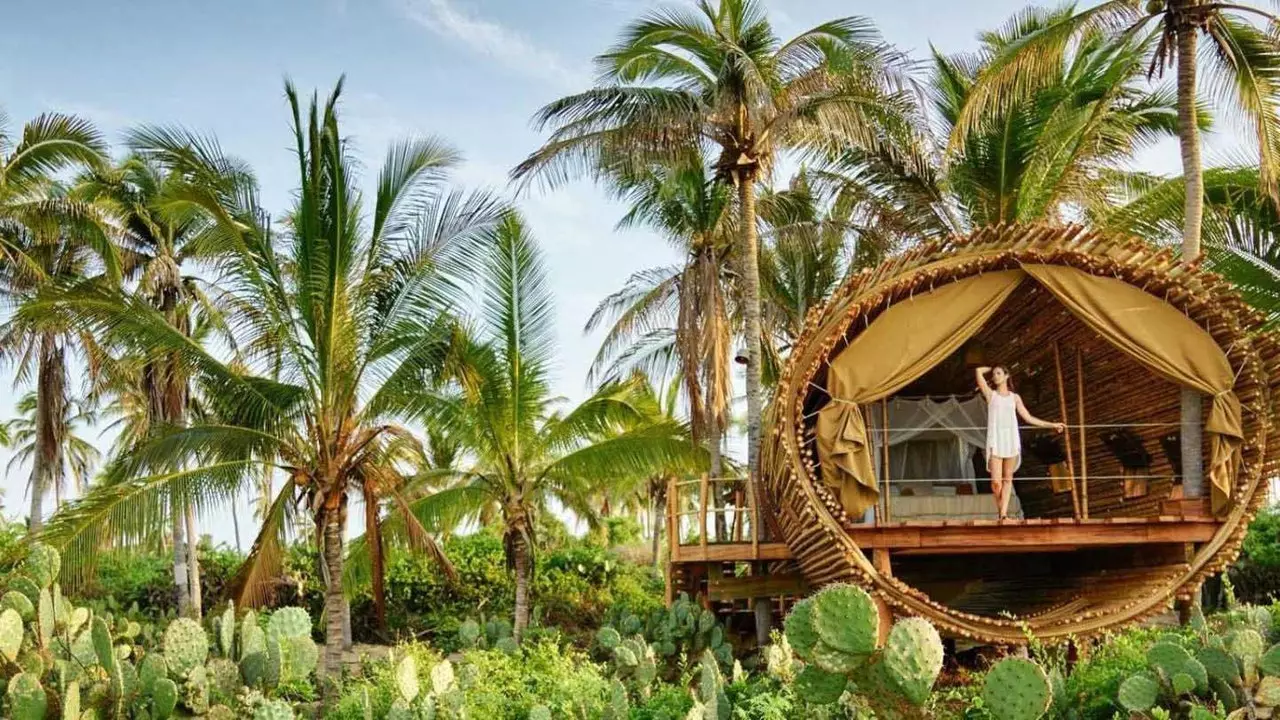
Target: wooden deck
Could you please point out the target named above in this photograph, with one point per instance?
(974, 537)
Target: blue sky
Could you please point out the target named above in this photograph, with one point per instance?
(470, 71)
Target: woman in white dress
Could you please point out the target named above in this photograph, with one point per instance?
(1004, 447)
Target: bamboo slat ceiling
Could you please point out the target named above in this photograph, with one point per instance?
(1096, 597)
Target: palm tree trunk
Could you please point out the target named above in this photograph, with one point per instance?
(193, 564)
(235, 520)
(750, 255)
(180, 575)
(51, 399)
(1193, 177)
(373, 536)
(334, 598)
(523, 566)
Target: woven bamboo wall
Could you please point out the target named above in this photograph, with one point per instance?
(812, 523)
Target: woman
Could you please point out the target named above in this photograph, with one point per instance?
(1004, 448)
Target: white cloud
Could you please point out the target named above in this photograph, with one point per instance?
(504, 45)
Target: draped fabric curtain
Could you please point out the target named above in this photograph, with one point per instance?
(910, 338)
(902, 344)
(1167, 342)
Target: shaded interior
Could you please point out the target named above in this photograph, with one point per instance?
(1131, 461)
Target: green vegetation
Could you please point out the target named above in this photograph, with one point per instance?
(391, 352)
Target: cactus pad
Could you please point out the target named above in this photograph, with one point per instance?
(818, 686)
(608, 638)
(832, 660)
(1247, 644)
(798, 628)
(1182, 684)
(1138, 693)
(1017, 689)
(1168, 658)
(10, 634)
(507, 645)
(26, 586)
(227, 631)
(298, 658)
(913, 657)
(442, 677)
(1267, 693)
(1196, 670)
(27, 698)
(151, 669)
(407, 678)
(164, 698)
(273, 710)
(1269, 663)
(185, 646)
(468, 633)
(846, 619)
(253, 669)
(1218, 664)
(289, 622)
(19, 603)
(224, 677)
(43, 564)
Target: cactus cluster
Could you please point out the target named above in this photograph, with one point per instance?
(441, 699)
(836, 633)
(492, 634)
(710, 701)
(633, 661)
(1233, 668)
(74, 663)
(685, 628)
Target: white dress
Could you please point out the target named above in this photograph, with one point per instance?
(1002, 428)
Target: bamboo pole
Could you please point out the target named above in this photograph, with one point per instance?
(755, 528)
(703, 486)
(673, 521)
(1062, 406)
(884, 442)
(1084, 455)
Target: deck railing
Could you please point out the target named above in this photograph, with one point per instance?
(711, 511)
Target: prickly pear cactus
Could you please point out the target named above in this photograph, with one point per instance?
(468, 634)
(273, 710)
(26, 697)
(227, 631)
(299, 656)
(1017, 689)
(224, 678)
(913, 658)
(164, 698)
(186, 646)
(608, 638)
(289, 622)
(43, 564)
(799, 627)
(10, 634)
(252, 638)
(16, 601)
(406, 677)
(819, 686)
(846, 619)
(1139, 693)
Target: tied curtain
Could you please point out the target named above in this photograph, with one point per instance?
(902, 344)
(915, 335)
(951, 429)
(1167, 342)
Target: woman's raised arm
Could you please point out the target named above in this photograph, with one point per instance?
(981, 374)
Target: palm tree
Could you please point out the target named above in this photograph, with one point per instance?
(1244, 67)
(79, 456)
(719, 78)
(676, 318)
(525, 458)
(46, 237)
(338, 321)
(159, 240)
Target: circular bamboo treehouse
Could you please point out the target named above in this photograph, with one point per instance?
(1037, 299)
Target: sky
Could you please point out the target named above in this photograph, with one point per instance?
(470, 71)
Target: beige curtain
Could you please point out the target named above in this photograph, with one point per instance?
(903, 343)
(1160, 337)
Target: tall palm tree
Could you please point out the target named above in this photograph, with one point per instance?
(79, 456)
(525, 457)
(160, 240)
(719, 78)
(46, 237)
(1244, 70)
(676, 318)
(338, 319)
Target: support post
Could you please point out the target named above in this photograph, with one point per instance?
(703, 486)
(884, 442)
(1084, 455)
(755, 527)
(673, 521)
(1066, 419)
(880, 559)
(1191, 439)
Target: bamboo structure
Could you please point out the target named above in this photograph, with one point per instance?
(1066, 420)
(884, 442)
(1100, 581)
(1084, 456)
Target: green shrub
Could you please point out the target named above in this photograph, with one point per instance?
(505, 685)
(1256, 573)
(1093, 685)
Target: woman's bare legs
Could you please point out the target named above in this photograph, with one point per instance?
(1007, 487)
(995, 466)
